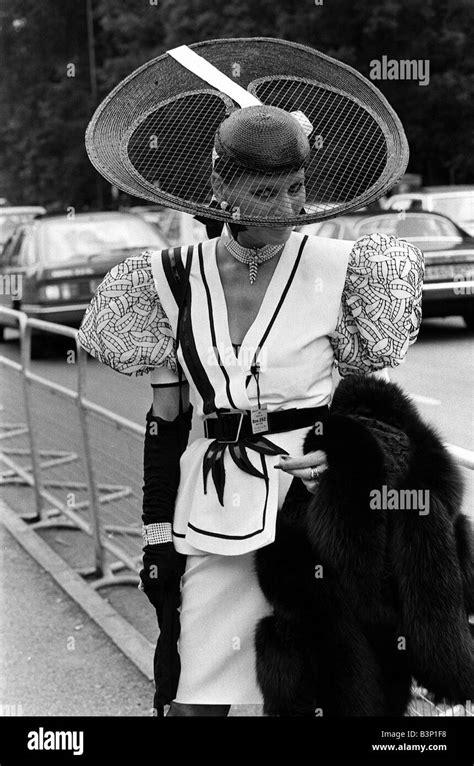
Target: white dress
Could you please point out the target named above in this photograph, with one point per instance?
(356, 305)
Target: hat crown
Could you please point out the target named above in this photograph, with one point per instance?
(264, 138)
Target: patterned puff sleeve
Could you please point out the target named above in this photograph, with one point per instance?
(125, 325)
(380, 311)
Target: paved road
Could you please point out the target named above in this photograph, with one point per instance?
(55, 661)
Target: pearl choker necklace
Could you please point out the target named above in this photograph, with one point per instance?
(253, 256)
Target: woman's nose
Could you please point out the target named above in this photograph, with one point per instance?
(283, 205)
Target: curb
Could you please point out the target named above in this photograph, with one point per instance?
(125, 637)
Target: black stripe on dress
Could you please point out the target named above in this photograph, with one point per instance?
(177, 263)
(191, 356)
(168, 260)
(279, 305)
(176, 276)
(213, 329)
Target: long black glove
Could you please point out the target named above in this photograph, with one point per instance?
(162, 565)
(165, 441)
(162, 570)
(161, 575)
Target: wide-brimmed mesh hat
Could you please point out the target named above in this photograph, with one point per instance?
(255, 129)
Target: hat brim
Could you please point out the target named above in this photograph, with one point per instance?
(153, 135)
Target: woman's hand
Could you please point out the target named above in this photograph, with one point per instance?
(308, 468)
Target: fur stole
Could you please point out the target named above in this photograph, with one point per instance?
(369, 594)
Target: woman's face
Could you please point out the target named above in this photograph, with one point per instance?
(264, 195)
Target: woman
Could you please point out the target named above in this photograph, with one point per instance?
(247, 327)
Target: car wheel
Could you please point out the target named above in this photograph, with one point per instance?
(469, 320)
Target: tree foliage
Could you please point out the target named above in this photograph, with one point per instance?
(46, 97)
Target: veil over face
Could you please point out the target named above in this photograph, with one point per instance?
(261, 195)
(259, 160)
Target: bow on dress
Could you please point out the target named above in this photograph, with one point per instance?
(213, 459)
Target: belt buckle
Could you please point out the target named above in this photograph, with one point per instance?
(220, 417)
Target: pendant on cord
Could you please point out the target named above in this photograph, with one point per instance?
(253, 268)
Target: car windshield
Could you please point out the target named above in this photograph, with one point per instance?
(9, 222)
(412, 227)
(458, 208)
(67, 239)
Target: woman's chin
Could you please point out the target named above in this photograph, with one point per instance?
(265, 235)
(277, 234)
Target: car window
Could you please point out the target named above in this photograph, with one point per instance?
(415, 228)
(27, 253)
(425, 226)
(8, 225)
(457, 207)
(8, 248)
(329, 229)
(64, 239)
(386, 224)
(13, 256)
(9, 220)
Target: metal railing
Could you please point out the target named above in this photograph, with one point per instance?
(99, 504)
(112, 546)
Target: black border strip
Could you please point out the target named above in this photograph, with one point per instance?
(166, 385)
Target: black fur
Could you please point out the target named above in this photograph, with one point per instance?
(396, 588)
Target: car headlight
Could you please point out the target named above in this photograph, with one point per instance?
(51, 292)
(63, 291)
(66, 291)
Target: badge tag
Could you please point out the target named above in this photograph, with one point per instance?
(259, 419)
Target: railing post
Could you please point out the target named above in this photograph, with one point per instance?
(89, 470)
(25, 352)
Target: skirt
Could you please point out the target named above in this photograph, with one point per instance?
(221, 604)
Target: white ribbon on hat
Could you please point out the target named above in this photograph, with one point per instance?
(208, 72)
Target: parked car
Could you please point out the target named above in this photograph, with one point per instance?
(448, 288)
(11, 217)
(457, 202)
(176, 227)
(51, 267)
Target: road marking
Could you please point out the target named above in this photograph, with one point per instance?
(420, 399)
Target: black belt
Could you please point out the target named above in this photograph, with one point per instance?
(230, 426)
